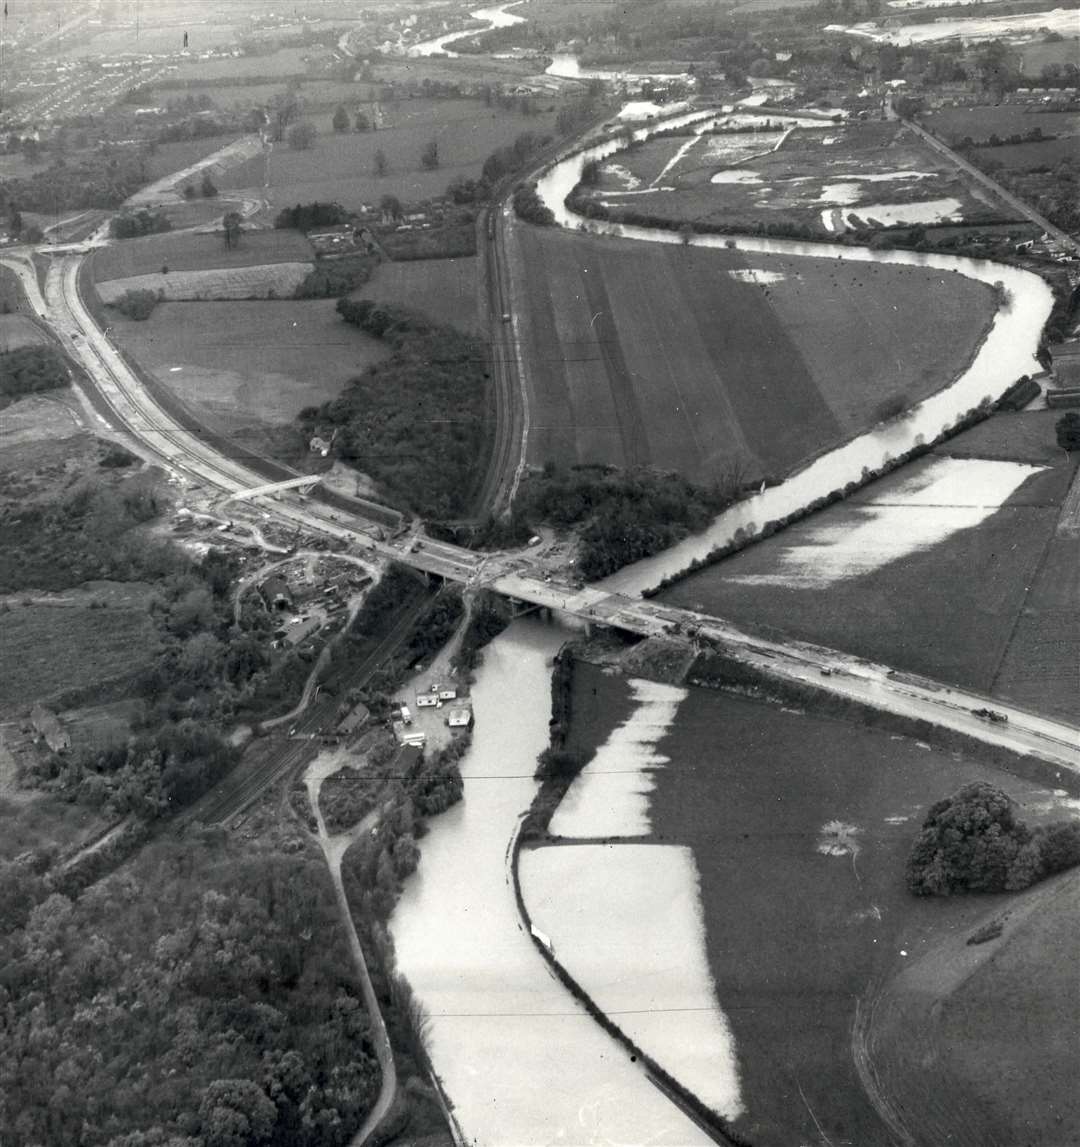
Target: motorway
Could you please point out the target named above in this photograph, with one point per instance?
(186, 453)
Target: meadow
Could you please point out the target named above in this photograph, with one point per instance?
(169, 157)
(341, 166)
(248, 366)
(800, 826)
(908, 597)
(19, 330)
(689, 358)
(97, 645)
(192, 252)
(443, 289)
(269, 281)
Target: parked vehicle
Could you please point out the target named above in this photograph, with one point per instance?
(991, 715)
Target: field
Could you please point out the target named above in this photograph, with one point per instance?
(796, 936)
(190, 252)
(1035, 57)
(245, 367)
(444, 289)
(720, 344)
(273, 280)
(170, 157)
(814, 177)
(908, 596)
(341, 166)
(97, 645)
(1005, 120)
(17, 331)
(284, 63)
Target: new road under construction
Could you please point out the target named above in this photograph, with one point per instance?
(121, 396)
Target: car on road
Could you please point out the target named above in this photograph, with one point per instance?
(991, 715)
(506, 317)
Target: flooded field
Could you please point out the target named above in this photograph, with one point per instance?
(520, 1060)
(611, 795)
(625, 921)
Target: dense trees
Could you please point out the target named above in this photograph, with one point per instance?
(1067, 429)
(973, 842)
(415, 422)
(202, 997)
(131, 224)
(30, 369)
(623, 515)
(136, 303)
(302, 136)
(529, 206)
(308, 216)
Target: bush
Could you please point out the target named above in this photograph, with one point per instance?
(136, 304)
(302, 136)
(306, 216)
(334, 278)
(132, 224)
(972, 842)
(1067, 429)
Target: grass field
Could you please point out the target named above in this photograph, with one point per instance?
(249, 366)
(443, 289)
(1035, 57)
(285, 62)
(341, 166)
(271, 281)
(170, 157)
(993, 605)
(50, 649)
(191, 252)
(17, 331)
(795, 936)
(685, 358)
(1003, 120)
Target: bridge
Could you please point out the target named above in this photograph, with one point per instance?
(125, 401)
(304, 484)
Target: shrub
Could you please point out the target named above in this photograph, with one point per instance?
(1067, 429)
(29, 369)
(136, 304)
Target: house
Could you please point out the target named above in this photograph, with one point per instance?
(47, 728)
(329, 240)
(354, 719)
(448, 694)
(427, 700)
(459, 718)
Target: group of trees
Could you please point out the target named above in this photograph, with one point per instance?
(308, 216)
(29, 370)
(1067, 429)
(103, 178)
(416, 422)
(973, 842)
(133, 224)
(622, 516)
(202, 997)
(136, 303)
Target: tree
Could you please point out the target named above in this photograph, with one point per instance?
(390, 205)
(283, 110)
(232, 229)
(1067, 429)
(429, 157)
(340, 122)
(209, 191)
(302, 136)
(189, 191)
(361, 122)
(236, 1113)
(380, 162)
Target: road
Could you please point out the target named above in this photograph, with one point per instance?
(1018, 205)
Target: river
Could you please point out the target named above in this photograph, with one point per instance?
(1007, 352)
(520, 1060)
(497, 17)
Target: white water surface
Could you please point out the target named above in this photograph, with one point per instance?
(626, 922)
(497, 17)
(521, 1061)
(610, 797)
(1007, 352)
(949, 495)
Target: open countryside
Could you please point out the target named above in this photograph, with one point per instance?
(538, 557)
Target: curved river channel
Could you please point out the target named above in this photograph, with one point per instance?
(519, 1058)
(494, 18)
(1007, 352)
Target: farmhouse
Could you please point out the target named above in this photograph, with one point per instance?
(427, 700)
(459, 718)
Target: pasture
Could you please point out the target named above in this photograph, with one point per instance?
(247, 367)
(97, 645)
(190, 252)
(169, 157)
(270, 281)
(18, 330)
(341, 166)
(800, 826)
(1011, 629)
(689, 358)
(443, 289)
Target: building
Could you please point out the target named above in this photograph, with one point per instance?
(354, 719)
(459, 718)
(427, 700)
(329, 240)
